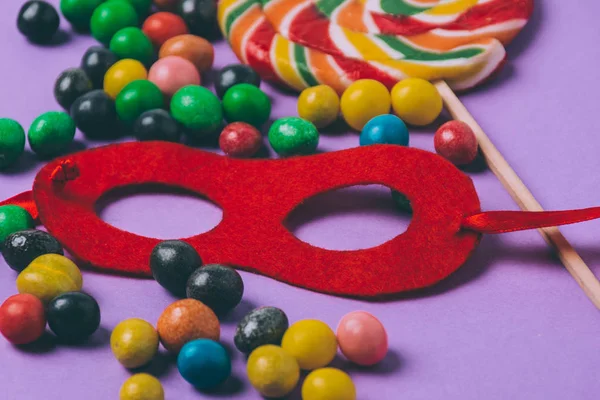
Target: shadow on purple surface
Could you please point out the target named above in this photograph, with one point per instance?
(43, 345)
(160, 365)
(27, 162)
(239, 312)
(61, 38)
(231, 386)
(391, 364)
(525, 38)
(100, 339)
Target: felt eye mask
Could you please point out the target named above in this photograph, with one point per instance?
(257, 195)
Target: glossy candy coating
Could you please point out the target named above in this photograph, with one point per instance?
(71, 84)
(246, 103)
(157, 125)
(110, 17)
(204, 363)
(362, 338)
(48, 276)
(13, 219)
(22, 247)
(261, 326)
(79, 12)
(132, 43)
(172, 262)
(272, 371)
(142, 387)
(241, 140)
(137, 97)
(416, 101)
(456, 142)
(134, 342)
(198, 109)
(364, 100)
(384, 129)
(172, 73)
(200, 16)
(51, 134)
(121, 74)
(12, 142)
(235, 74)
(95, 115)
(95, 62)
(293, 136)
(73, 316)
(328, 384)
(319, 105)
(311, 342)
(22, 319)
(162, 26)
(193, 48)
(142, 7)
(38, 21)
(218, 286)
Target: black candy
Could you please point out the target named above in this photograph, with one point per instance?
(95, 115)
(263, 325)
(235, 74)
(21, 248)
(95, 62)
(219, 287)
(200, 16)
(157, 125)
(73, 316)
(70, 85)
(38, 21)
(172, 262)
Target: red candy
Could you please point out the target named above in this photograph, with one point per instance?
(22, 319)
(162, 26)
(456, 142)
(240, 140)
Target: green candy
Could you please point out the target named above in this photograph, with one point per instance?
(293, 136)
(142, 7)
(246, 103)
(136, 98)
(401, 201)
(132, 43)
(13, 219)
(198, 109)
(79, 12)
(110, 17)
(51, 134)
(12, 142)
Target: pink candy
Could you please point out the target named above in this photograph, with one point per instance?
(172, 73)
(362, 338)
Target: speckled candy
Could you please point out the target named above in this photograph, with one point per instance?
(218, 286)
(95, 62)
(193, 48)
(293, 136)
(110, 17)
(132, 43)
(137, 97)
(456, 142)
(134, 342)
(49, 276)
(142, 387)
(235, 74)
(204, 363)
(311, 342)
(21, 248)
(246, 103)
(384, 129)
(261, 326)
(12, 142)
(172, 262)
(22, 319)
(272, 371)
(362, 338)
(198, 109)
(71, 84)
(240, 140)
(172, 73)
(73, 316)
(162, 26)
(13, 219)
(51, 134)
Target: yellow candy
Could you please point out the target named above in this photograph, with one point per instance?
(142, 387)
(48, 276)
(416, 101)
(319, 105)
(311, 342)
(272, 371)
(328, 384)
(364, 100)
(134, 342)
(121, 73)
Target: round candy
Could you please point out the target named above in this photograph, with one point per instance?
(134, 342)
(157, 125)
(195, 49)
(240, 140)
(235, 74)
(217, 286)
(79, 12)
(384, 129)
(142, 387)
(311, 342)
(95, 115)
(121, 74)
(272, 371)
(22, 319)
(261, 326)
(13, 219)
(319, 105)
(172, 73)
(172, 262)
(204, 363)
(362, 338)
(73, 316)
(198, 109)
(142, 7)
(38, 21)
(293, 136)
(51, 134)
(364, 100)
(71, 84)
(22, 247)
(132, 43)
(49, 276)
(456, 142)
(95, 62)
(110, 17)
(137, 97)
(162, 26)
(200, 16)
(184, 321)
(246, 103)
(328, 384)
(12, 142)
(416, 101)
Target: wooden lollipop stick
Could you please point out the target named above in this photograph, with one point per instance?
(519, 192)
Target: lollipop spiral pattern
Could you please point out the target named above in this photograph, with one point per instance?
(302, 43)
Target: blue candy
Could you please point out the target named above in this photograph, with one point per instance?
(204, 363)
(384, 129)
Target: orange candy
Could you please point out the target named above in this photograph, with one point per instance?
(193, 48)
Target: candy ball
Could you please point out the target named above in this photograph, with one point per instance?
(328, 384)
(49, 276)
(134, 342)
(219, 287)
(51, 134)
(184, 321)
(142, 387)
(195, 49)
(12, 142)
(261, 326)
(38, 21)
(79, 12)
(362, 101)
(95, 62)
(416, 101)
(73, 316)
(132, 43)
(110, 17)
(137, 97)
(240, 140)
(157, 125)
(142, 7)
(293, 136)
(198, 109)
(172, 73)
(200, 16)
(272, 371)
(204, 363)
(71, 84)
(22, 319)
(384, 129)
(246, 103)
(13, 219)
(95, 115)
(22, 247)
(235, 74)
(319, 105)
(311, 342)
(121, 74)
(162, 26)
(362, 338)
(456, 142)
(172, 262)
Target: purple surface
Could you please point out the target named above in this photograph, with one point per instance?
(511, 324)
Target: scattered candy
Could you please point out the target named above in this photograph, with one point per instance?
(95, 62)
(157, 125)
(246, 103)
(71, 84)
(235, 74)
(166, 4)
(219, 287)
(293, 136)
(328, 384)
(132, 43)
(261, 326)
(51, 134)
(12, 142)
(79, 12)
(142, 7)
(204, 363)
(110, 17)
(456, 142)
(13, 219)
(38, 21)
(416, 101)
(200, 16)
(22, 247)
(95, 115)
(121, 74)
(401, 201)
(240, 140)
(195, 49)
(198, 109)
(142, 387)
(162, 26)
(362, 338)
(49, 276)
(319, 105)
(137, 97)
(272, 371)
(172, 73)
(22, 319)
(172, 262)
(311, 342)
(184, 321)
(134, 342)
(364, 100)
(73, 316)
(384, 129)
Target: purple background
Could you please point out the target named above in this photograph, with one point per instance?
(511, 323)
